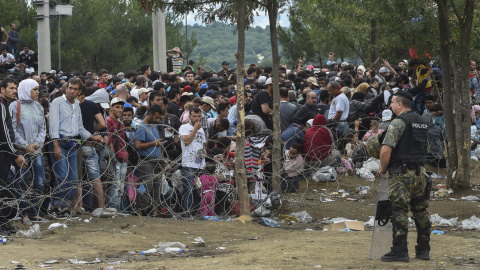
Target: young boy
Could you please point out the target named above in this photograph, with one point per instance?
(293, 166)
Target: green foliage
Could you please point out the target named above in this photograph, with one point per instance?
(218, 42)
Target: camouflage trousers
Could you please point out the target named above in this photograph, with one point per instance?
(406, 192)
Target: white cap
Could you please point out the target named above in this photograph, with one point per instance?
(310, 122)
(116, 101)
(262, 79)
(386, 115)
(269, 81)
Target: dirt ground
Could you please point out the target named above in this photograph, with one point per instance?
(237, 245)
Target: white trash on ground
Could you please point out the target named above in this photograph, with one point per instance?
(302, 216)
(470, 198)
(370, 222)
(34, 232)
(472, 223)
(372, 164)
(325, 174)
(104, 212)
(439, 221)
(366, 174)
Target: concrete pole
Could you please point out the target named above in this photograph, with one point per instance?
(44, 54)
(159, 42)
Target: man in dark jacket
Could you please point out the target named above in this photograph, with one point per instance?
(307, 111)
(8, 153)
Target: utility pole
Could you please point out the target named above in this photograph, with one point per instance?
(159, 41)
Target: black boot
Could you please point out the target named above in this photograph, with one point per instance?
(398, 253)
(422, 250)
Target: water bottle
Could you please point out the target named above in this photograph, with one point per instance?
(173, 249)
(214, 218)
(270, 222)
(164, 245)
(150, 251)
(3, 241)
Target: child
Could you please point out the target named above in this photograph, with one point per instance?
(186, 113)
(374, 130)
(345, 165)
(294, 165)
(208, 184)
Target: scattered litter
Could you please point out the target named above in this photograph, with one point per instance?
(363, 192)
(253, 238)
(470, 198)
(20, 267)
(14, 262)
(221, 248)
(472, 223)
(302, 216)
(173, 250)
(317, 266)
(149, 251)
(366, 174)
(214, 218)
(346, 230)
(75, 261)
(341, 190)
(370, 222)
(439, 221)
(57, 225)
(438, 232)
(341, 223)
(34, 232)
(104, 212)
(325, 174)
(199, 239)
(51, 262)
(371, 165)
(309, 230)
(132, 252)
(87, 220)
(269, 222)
(163, 246)
(288, 218)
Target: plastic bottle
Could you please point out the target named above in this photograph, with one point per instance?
(150, 251)
(270, 222)
(214, 218)
(173, 250)
(3, 241)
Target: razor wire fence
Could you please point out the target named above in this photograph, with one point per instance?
(149, 187)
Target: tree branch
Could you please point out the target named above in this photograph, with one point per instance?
(460, 19)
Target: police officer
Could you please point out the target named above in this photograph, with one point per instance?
(403, 155)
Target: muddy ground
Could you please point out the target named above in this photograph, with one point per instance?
(237, 245)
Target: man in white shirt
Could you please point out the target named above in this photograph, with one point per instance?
(141, 82)
(193, 141)
(7, 61)
(339, 106)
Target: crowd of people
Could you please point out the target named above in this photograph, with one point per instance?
(162, 143)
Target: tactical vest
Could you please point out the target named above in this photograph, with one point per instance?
(412, 147)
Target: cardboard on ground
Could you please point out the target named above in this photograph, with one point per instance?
(353, 225)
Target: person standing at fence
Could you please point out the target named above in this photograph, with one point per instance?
(148, 144)
(7, 151)
(403, 155)
(116, 132)
(66, 128)
(193, 139)
(28, 124)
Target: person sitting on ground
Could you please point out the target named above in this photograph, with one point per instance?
(438, 119)
(318, 145)
(294, 165)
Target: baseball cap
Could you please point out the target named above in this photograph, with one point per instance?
(209, 101)
(312, 80)
(269, 81)
(187, 94)
(310, 67)
(387, 115)
(144, 90)
(232, 100)
(262, 79)
(225, 63)
(384, 70)
(310, 122)
(116, 101)
(404, 94)
(127, 105)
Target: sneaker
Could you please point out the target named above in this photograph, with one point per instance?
(65, 214)
(10, 228)
(395, 257)
(53, 213)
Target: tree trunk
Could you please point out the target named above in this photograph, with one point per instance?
(373, 39)
(455, 60)
(277, 141)
(240, 177)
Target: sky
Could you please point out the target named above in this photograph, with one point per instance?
(261, 20)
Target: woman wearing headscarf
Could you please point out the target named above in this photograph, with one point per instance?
(28, 123)
(318, 145)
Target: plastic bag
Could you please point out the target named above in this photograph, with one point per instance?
(325, 174)
(366, 174)
(34, 232)
(472, 223)
(302, 216)
(439, 221)
(372, 164)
